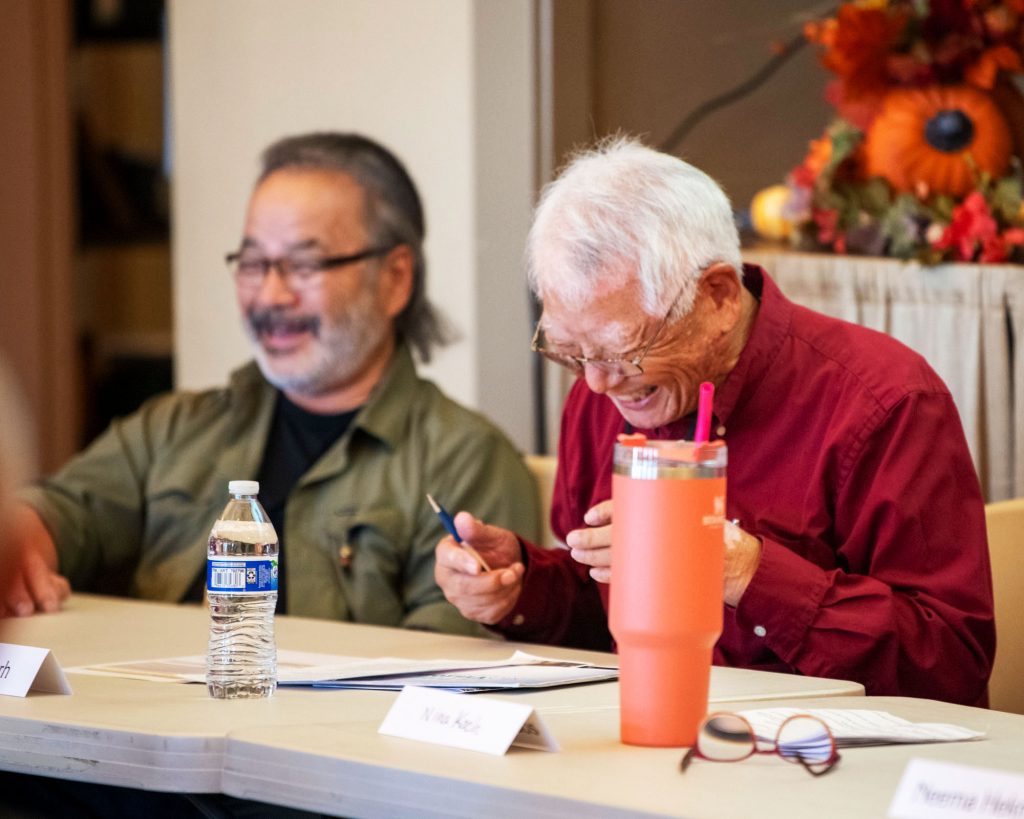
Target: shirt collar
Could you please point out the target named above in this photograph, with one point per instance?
(385, 414)
(771, 326)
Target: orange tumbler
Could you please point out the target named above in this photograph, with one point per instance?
(666, 593)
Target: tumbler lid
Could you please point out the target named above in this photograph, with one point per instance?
(640, 457)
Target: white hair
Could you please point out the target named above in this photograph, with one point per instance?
(623, 209)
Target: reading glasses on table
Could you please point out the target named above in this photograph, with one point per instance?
(801, 738)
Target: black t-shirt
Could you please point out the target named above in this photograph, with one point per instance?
(296, 441)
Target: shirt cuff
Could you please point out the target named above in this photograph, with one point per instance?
(782, 600)
(531, 619)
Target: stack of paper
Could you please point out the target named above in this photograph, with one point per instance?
(857, 727)
(520, 670)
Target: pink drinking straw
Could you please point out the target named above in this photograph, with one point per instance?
(702, 431)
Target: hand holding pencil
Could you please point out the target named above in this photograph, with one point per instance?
(461, 563)
(449, 526)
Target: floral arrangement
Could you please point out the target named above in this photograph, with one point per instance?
(924, 158)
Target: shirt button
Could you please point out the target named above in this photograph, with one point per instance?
(720, 431)
(518, 620)
(760, 631)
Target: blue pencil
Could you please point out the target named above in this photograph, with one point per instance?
(449, 525)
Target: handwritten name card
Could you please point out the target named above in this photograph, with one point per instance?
(930, 790)
(26, 668)
(470, 722)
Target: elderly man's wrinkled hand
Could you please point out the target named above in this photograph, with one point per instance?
(592, 546)
(482, 596)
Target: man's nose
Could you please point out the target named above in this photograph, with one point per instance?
(600, 379)
(274, 288)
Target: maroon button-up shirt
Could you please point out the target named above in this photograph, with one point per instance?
(847, 459)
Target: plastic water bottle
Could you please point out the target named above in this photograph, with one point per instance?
(241, 583)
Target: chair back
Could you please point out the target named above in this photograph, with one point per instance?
(1005, 521)
(543, 468)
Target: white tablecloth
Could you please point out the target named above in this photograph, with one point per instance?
(963, 318)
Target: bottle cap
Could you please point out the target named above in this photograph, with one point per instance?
(244, 487)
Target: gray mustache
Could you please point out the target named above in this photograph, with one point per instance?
(275, 320)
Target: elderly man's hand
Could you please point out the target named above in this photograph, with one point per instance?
(33, 583)
(593, 546)
(742, 556)
(485, 597)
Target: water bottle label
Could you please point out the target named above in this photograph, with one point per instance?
(239, 575)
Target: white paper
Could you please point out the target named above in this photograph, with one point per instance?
(520, 670)
(27, 668)
(192, 668)
(854, 727)
(471, 723)
(944, 790)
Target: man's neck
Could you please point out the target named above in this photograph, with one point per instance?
(356, 391)
(737, 339)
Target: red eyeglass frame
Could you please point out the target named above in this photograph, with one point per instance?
(829, 764)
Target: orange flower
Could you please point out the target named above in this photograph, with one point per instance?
(860, 41)
(984, 71)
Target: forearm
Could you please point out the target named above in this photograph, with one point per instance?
(829, 623)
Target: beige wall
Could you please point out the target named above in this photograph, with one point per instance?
(641, 65)
(447, 85)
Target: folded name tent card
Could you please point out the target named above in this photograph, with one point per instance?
(26, 668)
(930, 789)
(471, 723)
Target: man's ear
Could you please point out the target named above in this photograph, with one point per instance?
(396, 280)
(722, 284)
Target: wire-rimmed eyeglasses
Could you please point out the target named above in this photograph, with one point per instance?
(627, 365)
(801, 738)
(250, 269)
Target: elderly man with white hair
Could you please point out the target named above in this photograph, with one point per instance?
(859, 550)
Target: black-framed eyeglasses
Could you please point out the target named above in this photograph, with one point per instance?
(626, 365)
(801, 738)
(250, 269)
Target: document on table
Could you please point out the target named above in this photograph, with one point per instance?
(858, 727)
(520, 670)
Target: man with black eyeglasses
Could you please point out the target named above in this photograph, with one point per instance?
(855, 531)
(331, 419)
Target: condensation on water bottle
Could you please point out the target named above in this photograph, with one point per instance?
(241, 584)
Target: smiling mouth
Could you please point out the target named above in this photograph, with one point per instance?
(274, 330)
(637, 397)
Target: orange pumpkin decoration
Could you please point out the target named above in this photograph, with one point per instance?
(924, 136)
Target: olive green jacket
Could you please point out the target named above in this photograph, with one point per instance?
(132, 513)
